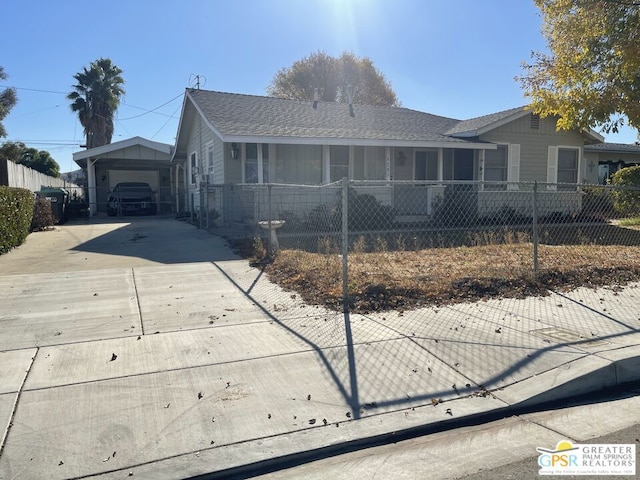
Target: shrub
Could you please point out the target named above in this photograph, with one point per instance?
(626, 198)
(597, 202)
(321, 219)
(292, 222)
(259, 251)
(42, 215)
(365, 212)
(16, 211)
(459, 207)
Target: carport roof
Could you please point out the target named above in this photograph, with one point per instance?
(105, 150)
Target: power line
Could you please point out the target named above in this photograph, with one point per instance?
(32, 89)
(34, 112)
(152, 110)
(44, 142)
(165, 123)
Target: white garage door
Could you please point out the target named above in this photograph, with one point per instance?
(148, 176)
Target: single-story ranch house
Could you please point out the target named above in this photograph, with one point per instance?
(241, 141)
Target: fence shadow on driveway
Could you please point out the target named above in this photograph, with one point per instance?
(158, 239)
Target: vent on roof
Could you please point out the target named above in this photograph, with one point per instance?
(535, 121)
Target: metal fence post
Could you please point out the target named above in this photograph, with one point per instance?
(535, 227)
(345, 243)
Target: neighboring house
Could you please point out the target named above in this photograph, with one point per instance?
(232, 139)
(132, 160)
(605, 159)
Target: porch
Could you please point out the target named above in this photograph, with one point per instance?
(409, 202)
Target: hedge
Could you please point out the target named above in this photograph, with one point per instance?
(16, 212)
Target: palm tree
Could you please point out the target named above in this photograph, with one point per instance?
(95, 99)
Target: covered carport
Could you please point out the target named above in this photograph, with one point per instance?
(133, 160)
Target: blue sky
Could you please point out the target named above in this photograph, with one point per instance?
(456, 58)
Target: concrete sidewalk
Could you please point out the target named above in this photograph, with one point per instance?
(171, 370)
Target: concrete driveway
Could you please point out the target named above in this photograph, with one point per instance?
(124, 242)
(146, 348)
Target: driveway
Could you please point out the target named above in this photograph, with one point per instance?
(105, 243)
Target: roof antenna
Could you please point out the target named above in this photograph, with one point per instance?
(315, 98)
(350, 97)
(194, 80)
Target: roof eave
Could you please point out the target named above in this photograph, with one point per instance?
(112, 147)
(358, 142)
(591, 133)
(175, 146)
(197, 108)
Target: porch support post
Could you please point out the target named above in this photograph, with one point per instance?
(351, 160)
(387, 163)
(187, 204)
(91, 183)
(326, 164)
(440, 164)
(481, 156)
(260, 163)
(176, 187)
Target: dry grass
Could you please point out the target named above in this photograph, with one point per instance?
(386, 280)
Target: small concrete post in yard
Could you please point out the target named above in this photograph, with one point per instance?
(345, 243)
(271, 226)
(535, 227)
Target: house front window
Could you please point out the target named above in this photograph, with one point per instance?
(251, 163)
(426, 165)
(298, 164)
(339, 163)
(256, 154)
(567, 165)
(495, 166)
(210, 161)
(193, 168)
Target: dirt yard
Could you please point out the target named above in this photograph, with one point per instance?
(409, 279)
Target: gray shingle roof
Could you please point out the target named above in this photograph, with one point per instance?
(478, 123)
(247, 115)
(613, 147)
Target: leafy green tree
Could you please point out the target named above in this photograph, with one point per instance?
(12, 151)
(96, 98)
(8, 100)
(592, 74)
(39, 160)
(332, 78)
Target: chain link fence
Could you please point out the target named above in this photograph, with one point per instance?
(380, 245)
(387, 281)
(124, 200)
